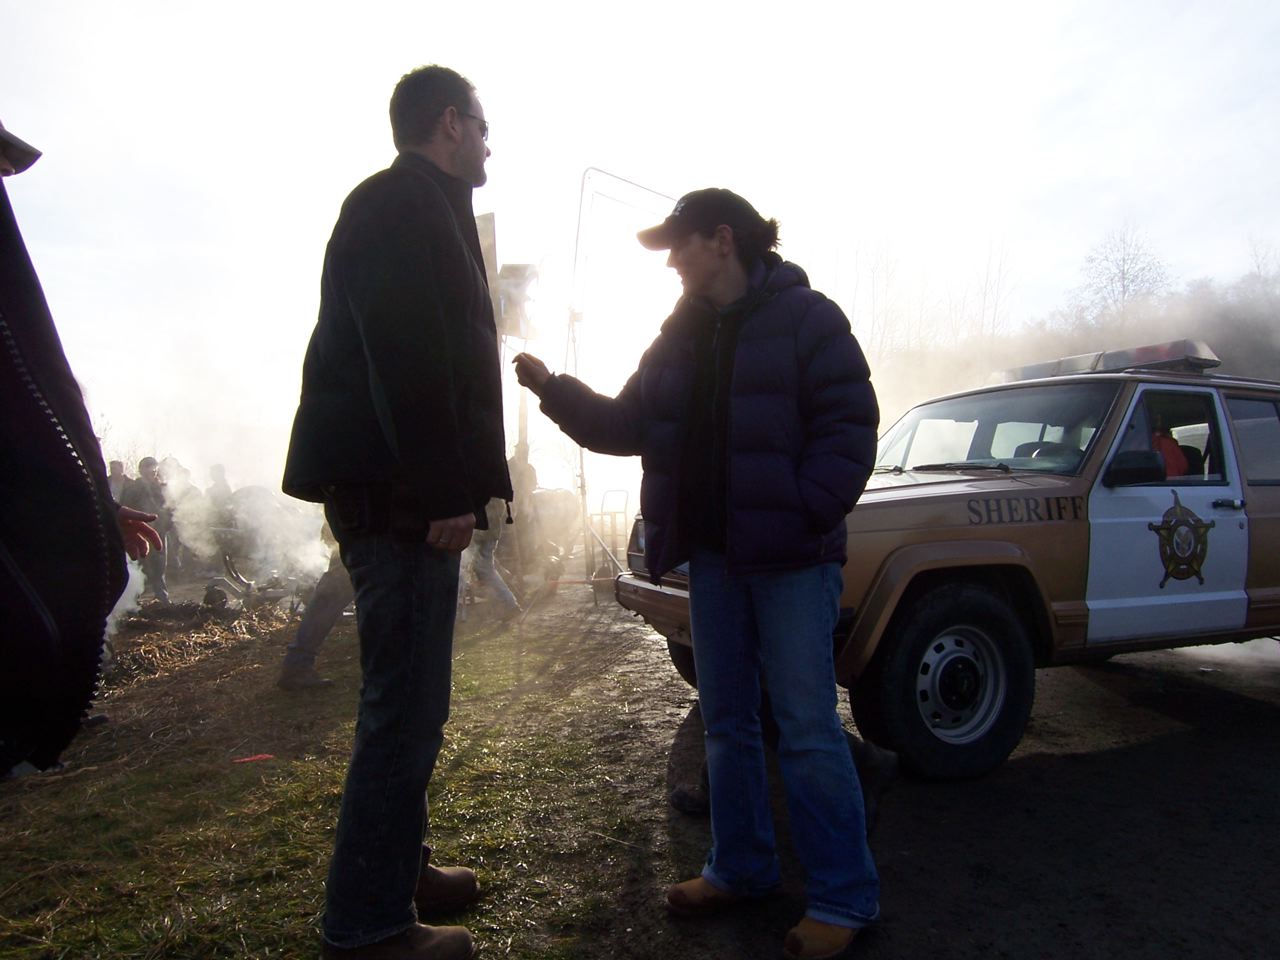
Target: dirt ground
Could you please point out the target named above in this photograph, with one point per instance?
(1135, 820)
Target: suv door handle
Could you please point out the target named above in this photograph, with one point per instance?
(1232, 504)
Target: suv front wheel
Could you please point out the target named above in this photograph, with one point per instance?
(951, 685)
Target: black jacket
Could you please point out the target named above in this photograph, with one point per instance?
(62, 564)
(401, 386)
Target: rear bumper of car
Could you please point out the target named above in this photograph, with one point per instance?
(663, 606)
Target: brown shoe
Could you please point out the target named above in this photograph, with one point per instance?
(814, 940)
(301, 678)
(417, 943)
(697, 897)
(444, 889)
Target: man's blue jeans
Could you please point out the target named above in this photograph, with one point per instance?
(406, 598)
(777, 627)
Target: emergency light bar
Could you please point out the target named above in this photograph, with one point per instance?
(1185, 356)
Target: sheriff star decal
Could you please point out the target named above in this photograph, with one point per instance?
(1184, 542)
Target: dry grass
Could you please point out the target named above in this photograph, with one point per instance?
(156, 639)
(154, 842)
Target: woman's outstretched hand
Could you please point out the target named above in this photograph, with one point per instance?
(531, 372)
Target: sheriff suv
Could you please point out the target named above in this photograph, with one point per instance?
(1095, 505)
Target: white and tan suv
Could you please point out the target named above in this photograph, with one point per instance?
(1096, 505)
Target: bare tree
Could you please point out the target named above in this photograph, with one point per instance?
(994, 292)
(882, 273)
(1120, 270)
(1263, 256)
(957, 315)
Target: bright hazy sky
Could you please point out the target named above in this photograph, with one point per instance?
(196, 155)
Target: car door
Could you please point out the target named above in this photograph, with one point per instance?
(1255, 420)
(1169, 558)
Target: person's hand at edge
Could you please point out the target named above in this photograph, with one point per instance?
(138, 534)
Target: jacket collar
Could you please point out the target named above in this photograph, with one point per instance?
(768, 276)
(457, 194)
(453, 188)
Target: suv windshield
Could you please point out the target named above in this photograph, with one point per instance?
(1044, 427)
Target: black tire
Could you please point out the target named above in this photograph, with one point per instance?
(951, 686)
(682, 658)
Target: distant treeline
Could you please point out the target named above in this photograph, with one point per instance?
(1240, 322)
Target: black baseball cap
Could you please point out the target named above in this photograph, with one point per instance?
(701, 212)
(18, 152)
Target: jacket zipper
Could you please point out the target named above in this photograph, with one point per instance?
(764, 296)
(37, 395)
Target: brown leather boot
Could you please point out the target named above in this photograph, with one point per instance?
(419, 942)
(444, 889)
(697, 897)
(814, 940)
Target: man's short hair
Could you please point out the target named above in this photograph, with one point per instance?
(419, 100)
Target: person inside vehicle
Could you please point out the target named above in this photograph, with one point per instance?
(1163, 443)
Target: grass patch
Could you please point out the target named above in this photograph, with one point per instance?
(154, 844)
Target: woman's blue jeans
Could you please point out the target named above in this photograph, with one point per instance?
(406, 598)
(777, 627)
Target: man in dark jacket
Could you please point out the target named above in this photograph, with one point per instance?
(63, 538)
(755, 419)
(399, 434)
(147, 493)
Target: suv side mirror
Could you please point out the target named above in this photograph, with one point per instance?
(1132, 467)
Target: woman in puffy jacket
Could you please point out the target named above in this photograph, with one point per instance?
(755, 419)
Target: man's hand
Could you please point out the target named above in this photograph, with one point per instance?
(138, 534)
(453, 534)
(531, 372)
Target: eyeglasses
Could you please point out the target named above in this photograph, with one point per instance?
(484, 124)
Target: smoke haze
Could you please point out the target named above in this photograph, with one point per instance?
(943, 185)
(1237, 320)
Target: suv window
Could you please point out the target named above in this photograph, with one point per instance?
(1183, 428)
(1046, 428)
(1257, 424)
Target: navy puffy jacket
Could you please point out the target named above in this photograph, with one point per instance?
(801, 426)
